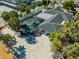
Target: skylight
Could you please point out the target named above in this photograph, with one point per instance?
(44, 16)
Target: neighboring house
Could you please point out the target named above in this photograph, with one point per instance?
(14, 3)
(2, 22)
(11, 1)
(9, 4)
(17, 1)
(54, 20)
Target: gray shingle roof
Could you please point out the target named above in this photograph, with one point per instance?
(57, 26)
(31, 20)
(50, 27)
(58, 19)
(55, 22)
(52, 24)
(8, 4)
(66, 16)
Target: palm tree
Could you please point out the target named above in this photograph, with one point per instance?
(27, 9)
(5, 15)
(6, 38)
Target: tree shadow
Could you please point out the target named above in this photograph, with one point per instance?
(11, 43)
(31, 39)
(20, 52)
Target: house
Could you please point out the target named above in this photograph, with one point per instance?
(49, 21)
(54, 20)
(9, 4)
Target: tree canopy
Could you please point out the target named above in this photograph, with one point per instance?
(66, 40)
(12, 14)
(6, 38)
(76, 16)
(69, 4)
(12, 18)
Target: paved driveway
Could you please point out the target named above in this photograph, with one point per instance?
(40, 50)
